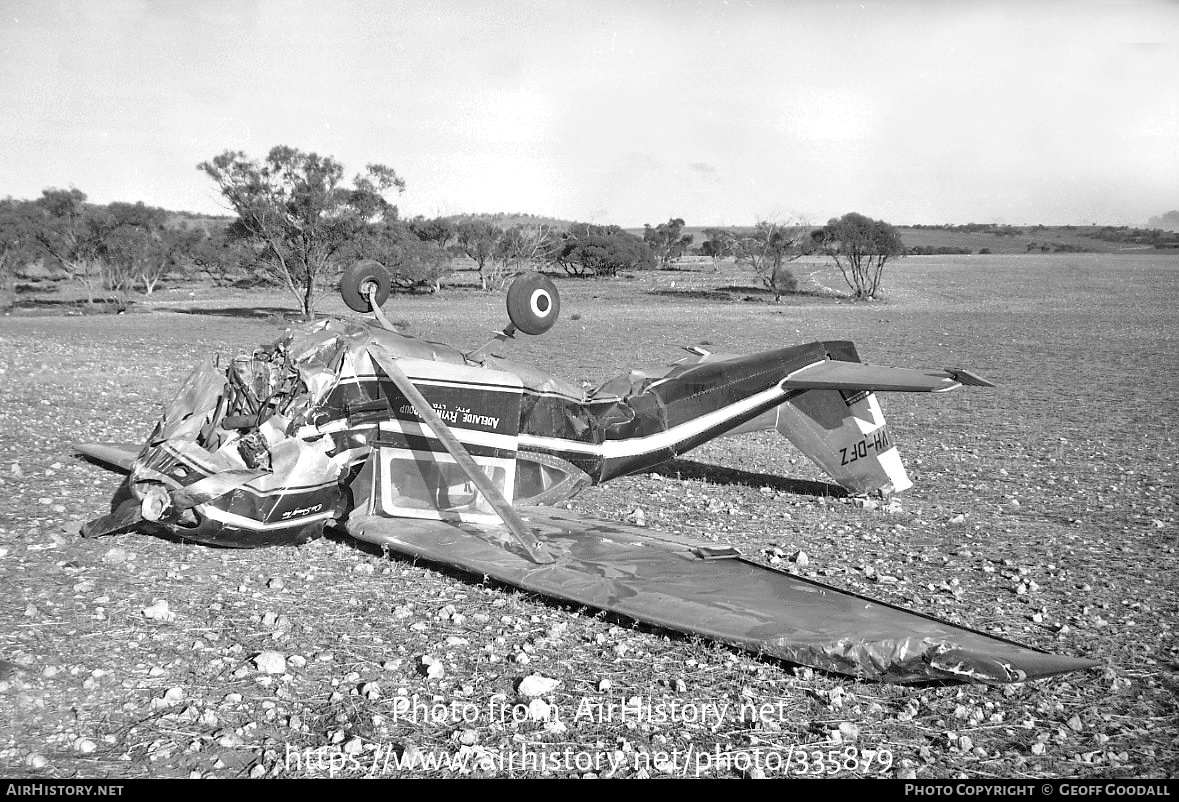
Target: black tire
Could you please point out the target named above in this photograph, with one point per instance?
(533, 303)
(357, 280)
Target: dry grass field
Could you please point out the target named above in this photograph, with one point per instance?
(1044, 511)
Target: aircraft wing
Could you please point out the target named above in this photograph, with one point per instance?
(831, 374)
(118, 456)
(702, 587)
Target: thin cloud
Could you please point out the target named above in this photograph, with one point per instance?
(705, 171)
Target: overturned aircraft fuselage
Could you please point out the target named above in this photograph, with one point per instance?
(417, 446)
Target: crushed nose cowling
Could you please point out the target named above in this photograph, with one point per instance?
(250, 453)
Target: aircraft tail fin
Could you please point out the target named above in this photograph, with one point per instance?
(844, 433)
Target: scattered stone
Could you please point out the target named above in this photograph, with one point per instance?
(637, 517)
(171, 698)
(432, 667)
(271, 662)
(159, 611)
(538, 685)
(849, 731)
(800, 559)
(84, 745)
(275, 584)
(116, 556)
(539, 710)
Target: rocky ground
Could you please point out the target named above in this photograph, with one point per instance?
(1043, 511)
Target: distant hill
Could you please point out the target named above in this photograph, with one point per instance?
(976, 237)
(209, 223)
(993, 238)
(509, 219)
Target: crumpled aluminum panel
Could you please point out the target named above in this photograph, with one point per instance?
(658, 579)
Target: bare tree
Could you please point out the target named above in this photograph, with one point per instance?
(16, 242)
(93, 244)
(517, 248)
(296, 210)
(860, 247)
(769, 247)
(720, 245)
(477, 239)
(667, 241)
(71, 232)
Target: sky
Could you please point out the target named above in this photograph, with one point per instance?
(720, 112)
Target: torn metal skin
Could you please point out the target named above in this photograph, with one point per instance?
(268, 448)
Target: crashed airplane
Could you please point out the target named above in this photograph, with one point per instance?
(457, 458)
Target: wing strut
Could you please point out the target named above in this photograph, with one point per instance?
(507, 514)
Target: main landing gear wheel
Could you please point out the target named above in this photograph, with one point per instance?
(359, 280)
(533, 303)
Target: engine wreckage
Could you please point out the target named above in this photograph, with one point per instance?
(456, 458)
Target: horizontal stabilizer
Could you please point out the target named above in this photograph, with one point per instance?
(968, 379)
(113, 455)
(836, 375)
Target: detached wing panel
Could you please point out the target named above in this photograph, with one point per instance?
(855, 376)
(694, 587)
